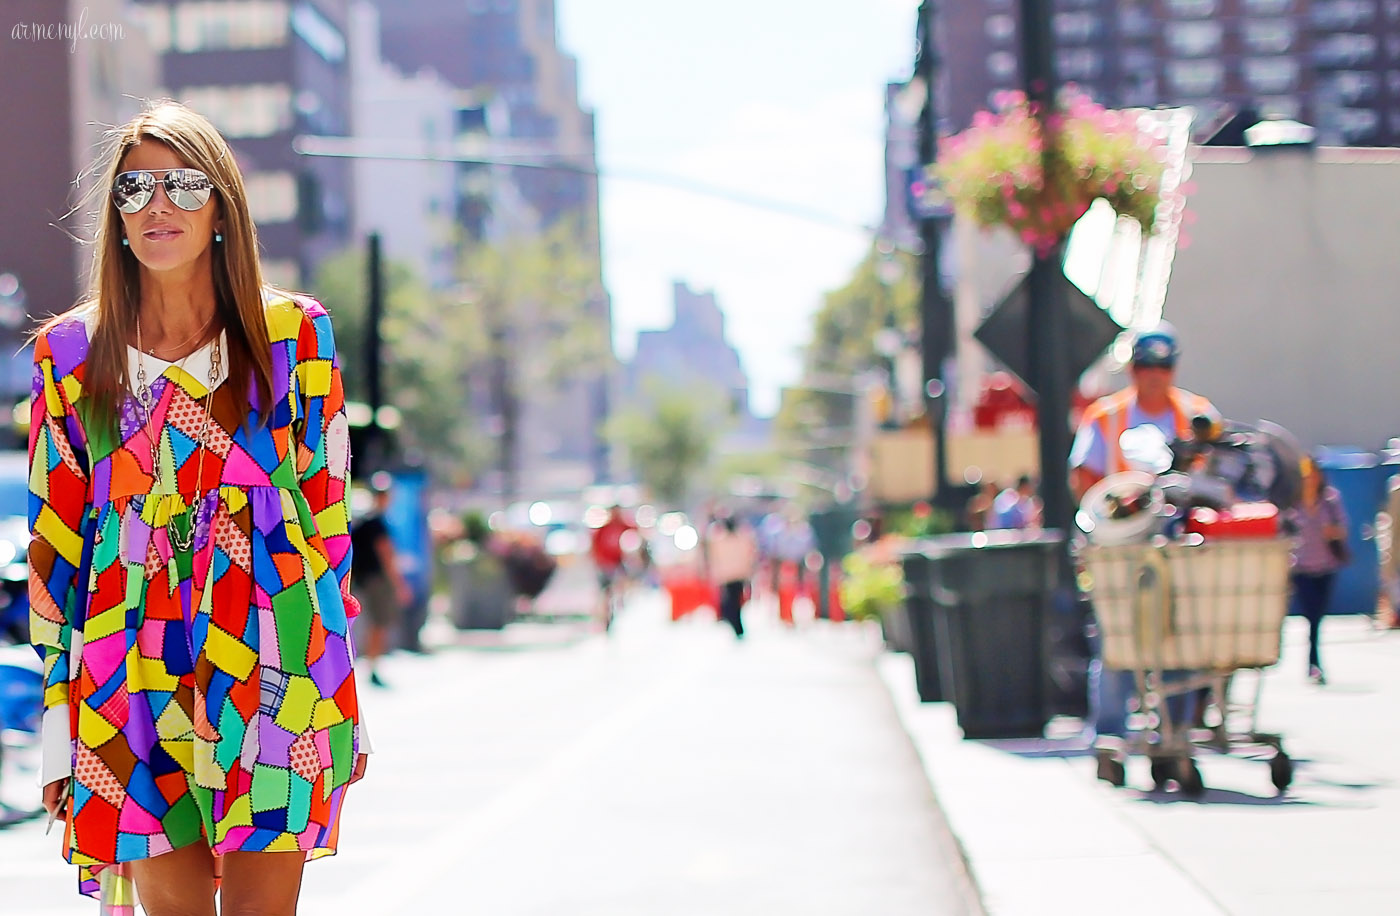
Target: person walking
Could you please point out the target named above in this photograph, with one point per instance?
(607, 546)
(379, 585)
(190, 561)
(732, 555)
(1320, 550)
(1017, 507)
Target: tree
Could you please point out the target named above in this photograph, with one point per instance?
(815, 422)
(669, 437)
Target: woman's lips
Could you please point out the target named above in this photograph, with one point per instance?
(161, 235)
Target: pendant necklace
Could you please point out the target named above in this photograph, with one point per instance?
(147, 401)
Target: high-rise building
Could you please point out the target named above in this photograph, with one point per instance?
(1332, 63)
(264, 72)
(510, 50)
(68, 74)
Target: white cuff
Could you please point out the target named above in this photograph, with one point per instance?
(362, 735)
(56, 760)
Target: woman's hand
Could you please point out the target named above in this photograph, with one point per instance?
(52, 793)
(359, 773)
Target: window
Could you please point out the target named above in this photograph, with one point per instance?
(209, 26)
(1000, 27)
(1392, 82)
(1196, 77)
(1001, 65)
(1269, 36)
(1079, 64)
(1272, 75)
(1345, 49)
(1193, 9)
(272, 197)
(1077, 27)
(258, 110)
(1352, 86)
(1342, 14)
(1267, 7)
(1280, 106)
(281, 272)
(1195, 39)
(154, 19)
(1358, 124)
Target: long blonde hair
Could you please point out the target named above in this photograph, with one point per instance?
(114, 289)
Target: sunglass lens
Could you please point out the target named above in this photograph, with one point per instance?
(133, 190)
(188, 189)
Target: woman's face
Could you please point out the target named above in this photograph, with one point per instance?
(162, 236)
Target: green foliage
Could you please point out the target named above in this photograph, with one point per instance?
(870, 589)
(919, 521)
(669, 437)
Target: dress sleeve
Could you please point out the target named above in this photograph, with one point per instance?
(323, 455)
(58, 504)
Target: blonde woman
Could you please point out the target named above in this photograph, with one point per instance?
(189, 569)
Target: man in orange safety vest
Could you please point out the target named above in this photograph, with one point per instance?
(1152, 399)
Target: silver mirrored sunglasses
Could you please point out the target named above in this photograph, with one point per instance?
(187, 189)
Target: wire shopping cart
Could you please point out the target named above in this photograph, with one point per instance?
(1208, 608)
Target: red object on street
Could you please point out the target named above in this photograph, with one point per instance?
(1240, 521)
(689, 593)
(834, 609)
(787, 591)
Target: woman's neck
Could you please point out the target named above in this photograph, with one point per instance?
(177, 313)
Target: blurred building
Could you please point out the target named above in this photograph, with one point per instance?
(1285, 298)
(67, 79)
(510, 51)
(901, 164)
(693, 354)
(1332, 63)
(265, 71)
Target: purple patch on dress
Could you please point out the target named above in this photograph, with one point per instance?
(138, 537)
(267, 508)
(69, 344)
(274, 743)
(140, 728)
(332, 668)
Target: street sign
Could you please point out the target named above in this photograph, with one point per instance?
(1006, 332)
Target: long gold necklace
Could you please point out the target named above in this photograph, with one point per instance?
(147, 401)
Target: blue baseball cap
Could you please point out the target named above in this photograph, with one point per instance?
(1156, 347)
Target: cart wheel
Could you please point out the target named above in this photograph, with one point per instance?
(1111, 769)
(1281, 771)
(1162, 770)
(1189, 778)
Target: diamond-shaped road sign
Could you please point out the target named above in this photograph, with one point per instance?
(1006, 332)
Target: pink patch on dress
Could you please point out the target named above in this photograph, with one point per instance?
(160, 843)
(136, 819)
(323, 747)
(103, 656)
(241, 470)
(233, 840)
(151, 640)
(269, 652)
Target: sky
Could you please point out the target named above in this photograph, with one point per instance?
(776, 99)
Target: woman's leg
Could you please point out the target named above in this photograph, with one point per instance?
(261, 883)
(1313, 592)
(177, 883)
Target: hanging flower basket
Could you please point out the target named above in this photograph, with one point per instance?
(999, 172)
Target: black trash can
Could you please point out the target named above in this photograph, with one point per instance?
(990, 595)
(916, 618)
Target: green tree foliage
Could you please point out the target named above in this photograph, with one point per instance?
(669, 437)
(816, 417)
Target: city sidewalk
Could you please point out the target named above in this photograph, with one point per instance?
(1042, 836)
(665, 770)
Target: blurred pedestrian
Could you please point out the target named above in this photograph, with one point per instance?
(1017, 507)
(1320, 551)
(190, 560)
(979, 508)
(376, 576)
(732, 554)
(607, 550)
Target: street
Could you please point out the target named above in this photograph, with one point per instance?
(666, 769)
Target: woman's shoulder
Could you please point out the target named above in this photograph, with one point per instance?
(67, 333)
(292, 315)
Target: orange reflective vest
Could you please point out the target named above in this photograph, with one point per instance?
(1110, 415)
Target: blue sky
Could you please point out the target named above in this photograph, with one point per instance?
(780, 99)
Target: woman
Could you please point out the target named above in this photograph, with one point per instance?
(732, 556)
(1320, 550)
(189, 568)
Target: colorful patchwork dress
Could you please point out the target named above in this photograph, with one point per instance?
(209, 692)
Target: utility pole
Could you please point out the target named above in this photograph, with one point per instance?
(935, 311)
(374, 351)
(1048, 330)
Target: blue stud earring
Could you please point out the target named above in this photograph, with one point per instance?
(218, 237)
(126, 242)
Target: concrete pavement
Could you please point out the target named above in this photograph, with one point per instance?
(664, 770)
(1043, 837)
